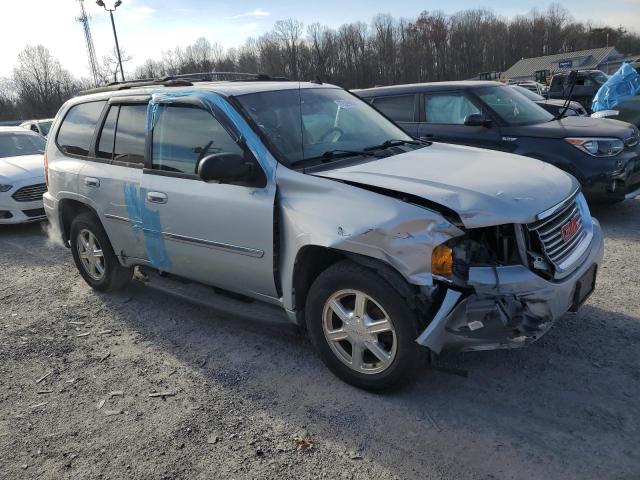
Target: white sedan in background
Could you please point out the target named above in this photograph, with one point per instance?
(22, 182)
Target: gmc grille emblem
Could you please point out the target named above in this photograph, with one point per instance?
(570, 228)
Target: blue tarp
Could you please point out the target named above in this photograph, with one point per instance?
(622, 85)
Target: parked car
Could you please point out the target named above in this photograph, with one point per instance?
(626, 111)
(38, 126)
(530, 85)
(303, 196)
(21, 176)
(588, 82)
(554, 107)
(604, 155)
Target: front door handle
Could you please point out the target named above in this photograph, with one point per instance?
(92, 182)
(157, 197)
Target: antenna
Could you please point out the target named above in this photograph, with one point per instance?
(91, 51)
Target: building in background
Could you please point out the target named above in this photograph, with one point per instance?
(607, 59)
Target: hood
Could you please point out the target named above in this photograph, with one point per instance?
(484, 187)
(21, 167)
(573, 127)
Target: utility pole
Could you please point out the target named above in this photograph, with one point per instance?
(100, 3)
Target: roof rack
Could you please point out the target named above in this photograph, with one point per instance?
(184, 80)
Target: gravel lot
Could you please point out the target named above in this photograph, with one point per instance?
(566, 407)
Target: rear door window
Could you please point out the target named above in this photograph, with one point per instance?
(130, 134)
(449, 108)
(78, 126)
(399, 108)
(183, 136)
(108, 134)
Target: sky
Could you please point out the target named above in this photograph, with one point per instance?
(147, 27)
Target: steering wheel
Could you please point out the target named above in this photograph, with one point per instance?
(334, 130)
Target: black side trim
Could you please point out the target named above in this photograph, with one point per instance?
(451, 215)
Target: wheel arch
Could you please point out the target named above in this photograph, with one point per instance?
(68, 209)
(312, 260)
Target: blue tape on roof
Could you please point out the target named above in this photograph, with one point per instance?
(622, 85)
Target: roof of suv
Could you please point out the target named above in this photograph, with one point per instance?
(431, 87)
(225, 88)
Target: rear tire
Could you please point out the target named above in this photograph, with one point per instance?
(94, 257)
(363, 329)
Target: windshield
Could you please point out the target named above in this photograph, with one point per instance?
(305, 123)
(45, 126)
(528, 93)
(599, 77)
(513, 107)
(14, 144)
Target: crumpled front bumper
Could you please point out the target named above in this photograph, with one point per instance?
(507, 307)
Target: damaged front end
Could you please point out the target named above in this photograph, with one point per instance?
(509, 283)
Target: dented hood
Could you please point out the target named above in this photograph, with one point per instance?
(484, 187)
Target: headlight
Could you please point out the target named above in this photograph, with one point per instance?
(5, 188)
(598, 147)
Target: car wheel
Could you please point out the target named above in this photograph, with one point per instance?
(94, 256)
(363, 329)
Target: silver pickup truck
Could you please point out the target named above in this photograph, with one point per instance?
(301, 195)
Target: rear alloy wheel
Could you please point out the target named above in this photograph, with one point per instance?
(94, 256)
(363, 329)
(91, 254)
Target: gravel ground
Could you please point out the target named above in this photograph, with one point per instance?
(78, 406)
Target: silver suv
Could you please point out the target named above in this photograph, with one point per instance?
(303, 196)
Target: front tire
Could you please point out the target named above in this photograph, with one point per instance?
(94, 256)
(363, 329)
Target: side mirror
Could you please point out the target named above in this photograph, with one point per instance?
(227, 168)
(476, 120)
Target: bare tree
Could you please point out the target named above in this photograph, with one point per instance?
(40, 82)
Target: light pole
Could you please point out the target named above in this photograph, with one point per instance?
(100, 3)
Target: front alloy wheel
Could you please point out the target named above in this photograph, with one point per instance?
(359, 331)
(362, 328)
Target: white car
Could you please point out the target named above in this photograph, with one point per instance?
(38, 126)
(22, 182)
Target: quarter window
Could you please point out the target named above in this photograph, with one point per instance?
(183, 136)
(449, 108)
(76, 131)
(400, 108)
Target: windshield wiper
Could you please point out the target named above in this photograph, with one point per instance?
(393, 143)
(333, 154)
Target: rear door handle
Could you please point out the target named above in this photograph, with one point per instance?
(92, 182)
(157, 197)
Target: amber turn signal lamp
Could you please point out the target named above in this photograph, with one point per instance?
(442, 260)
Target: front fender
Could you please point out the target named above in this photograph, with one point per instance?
(316, 211)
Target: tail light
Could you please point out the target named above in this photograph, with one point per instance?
(46, 169)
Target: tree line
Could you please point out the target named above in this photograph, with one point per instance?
(430, 47)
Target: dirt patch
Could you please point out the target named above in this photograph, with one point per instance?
(246, 395)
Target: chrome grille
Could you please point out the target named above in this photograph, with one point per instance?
(30, 193)
(550, 233)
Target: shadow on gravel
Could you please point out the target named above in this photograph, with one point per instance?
(566, 399)
(621, 221)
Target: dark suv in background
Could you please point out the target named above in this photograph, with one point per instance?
(588, 82)
(604, 155)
